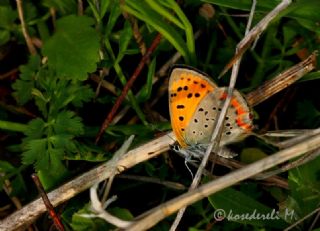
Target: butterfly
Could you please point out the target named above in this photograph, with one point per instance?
(194, 103)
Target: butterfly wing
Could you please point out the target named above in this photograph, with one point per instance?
(237, 122)
(187, 88)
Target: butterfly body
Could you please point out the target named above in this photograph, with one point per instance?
(195, 101)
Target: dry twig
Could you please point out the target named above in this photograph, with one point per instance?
(26, 35)
(166, 209)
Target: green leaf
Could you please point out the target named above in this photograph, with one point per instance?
(23, 86)
(145, 92)
(125, 37)
(122, 213)
(81, 95)
(304, 11)
(73, 50)
(4, 37)
(35, 129)
(241, 208)
(114, 15)
(304, 184)
(104, 5)
(262, 5)
(7, 17)
(36, 153)
(81, 223)
(17, 184)
(54, 174)
(146, 14)
(311, 76)
(85, 152)
(157, 6)
(6, 167)
(65, 7)
(67, 123)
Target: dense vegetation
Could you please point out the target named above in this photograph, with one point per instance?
(63, 74)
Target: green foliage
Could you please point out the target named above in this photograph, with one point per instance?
(59, 108)
(81, 222)
(7, 19)
(235, 203)
(13, 174)
(76, 43)
(157, 14)
(51, 138)
(304, 183)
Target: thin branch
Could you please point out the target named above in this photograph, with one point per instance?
(55, 217)
(283, 80)
(302, 219)
(29, 213)
(31, 48)
(135, 29)
(166, 209)
(256, 32)
(216, 135)
(127, 87)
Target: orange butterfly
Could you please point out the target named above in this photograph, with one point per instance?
(194, 103)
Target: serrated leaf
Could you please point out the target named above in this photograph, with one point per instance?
(73, 50)
(7, 17)
(5, 166)
(23, 86)
(59, 142)
(35, 129)
(81, 94)
(36, 151)
(67, 123)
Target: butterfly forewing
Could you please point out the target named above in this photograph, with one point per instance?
(187, 88)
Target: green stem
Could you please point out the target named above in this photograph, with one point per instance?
(123, 80)
(235, 28)
(188, 31)
(11, 126)
(263, 60)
